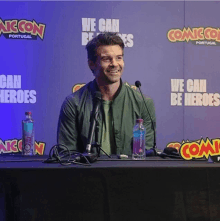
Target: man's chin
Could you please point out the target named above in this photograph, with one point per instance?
(113, 80)
(109, 79)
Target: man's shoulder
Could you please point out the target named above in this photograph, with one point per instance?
(80, 92)
(134, 91)
(78, 97)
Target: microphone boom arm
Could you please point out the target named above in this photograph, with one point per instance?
(138, 84)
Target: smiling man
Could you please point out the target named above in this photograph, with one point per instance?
(121, 105)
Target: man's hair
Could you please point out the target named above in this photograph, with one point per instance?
(107, 38)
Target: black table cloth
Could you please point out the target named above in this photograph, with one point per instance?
(155, 189)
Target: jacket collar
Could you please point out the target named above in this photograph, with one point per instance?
(118, 95)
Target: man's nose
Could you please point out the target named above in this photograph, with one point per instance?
(114, 62)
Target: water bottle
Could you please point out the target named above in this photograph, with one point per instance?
(139, 140)
(28, 141)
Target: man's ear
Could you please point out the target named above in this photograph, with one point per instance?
(91, 65)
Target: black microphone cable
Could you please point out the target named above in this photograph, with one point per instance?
(64, 157)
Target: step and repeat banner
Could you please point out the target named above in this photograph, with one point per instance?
(173, 48)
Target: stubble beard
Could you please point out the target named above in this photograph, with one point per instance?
(114, 77)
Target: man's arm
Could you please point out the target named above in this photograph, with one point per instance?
(67, 133)
(149, 139)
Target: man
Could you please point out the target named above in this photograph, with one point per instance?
(121, 105)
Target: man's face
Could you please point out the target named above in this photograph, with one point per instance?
(109, 65)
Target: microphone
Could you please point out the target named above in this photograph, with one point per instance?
(137, 84)
(93, 121)
(170, 152)
(152, 151)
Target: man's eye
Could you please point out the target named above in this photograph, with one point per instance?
(106, 59)
(119, 58)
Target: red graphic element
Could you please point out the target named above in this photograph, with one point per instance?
(20, 145)
(194, 34)
(76, 87)
(175, 145)
(23, 26)
(40, 148)
(15, 146)
(190, 150)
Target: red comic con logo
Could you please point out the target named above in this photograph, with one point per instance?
(76, 87)
(195, 150)
(175, 145)
(193, 34)
(15, 146)
(188, 34)
(21, 29)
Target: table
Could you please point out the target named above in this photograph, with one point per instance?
(155, 189)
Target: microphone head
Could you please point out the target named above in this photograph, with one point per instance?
(170, 150)
(98, 95)
(137, 84)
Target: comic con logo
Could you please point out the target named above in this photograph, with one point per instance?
(209, 36)
(15, 146)
(22, 29)
(202, 148)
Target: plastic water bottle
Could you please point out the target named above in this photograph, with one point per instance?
(139, 140)
(28, 141)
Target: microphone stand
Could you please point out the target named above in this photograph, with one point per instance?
(152, 123)
(94, 128)
(153, 151)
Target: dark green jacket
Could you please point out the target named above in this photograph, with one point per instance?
(127, 106)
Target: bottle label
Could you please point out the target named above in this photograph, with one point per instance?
(139, 142)
(28, 127)
(28, 145)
